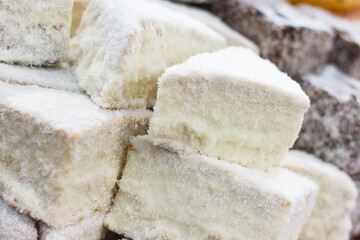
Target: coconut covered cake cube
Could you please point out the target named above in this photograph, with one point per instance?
(295, 42)
(331, 129)
(232, 105)
(88, 229)
(165, 195)
(122, 47)
(35, 32)
(14, 225)
(60, 154)
(330, 219)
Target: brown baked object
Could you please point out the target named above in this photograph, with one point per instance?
(331, 128)
(346, 52)
(285, 35)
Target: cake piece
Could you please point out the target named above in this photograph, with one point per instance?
(232, 105)
(122, 47)
(330, 218)
(60, 154)
(87, 229)
(165, 195)
(55, 78)
(355, 215)
(34, 32)
(14, 225)
(212, 21)
(77, 12)
(331, 128)
(346, 53)
(282, 32)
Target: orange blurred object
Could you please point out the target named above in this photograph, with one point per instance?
(338, 6)
(355, 15)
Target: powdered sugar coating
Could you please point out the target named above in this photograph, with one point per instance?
(70, 112)
(165, 195)
(60, 153)
(230, 104)
(14, 225)
(55, 78)
(35, 32)
(123, 46)
(241, 65)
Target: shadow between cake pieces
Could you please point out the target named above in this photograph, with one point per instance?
(230, 104)
(35, 32)
(289, 38)
(355, 215)
(166, 195)
(122, 47)
(60, 154)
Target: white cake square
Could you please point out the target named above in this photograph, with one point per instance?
(232, 105)
(330, 218)
(165, 195)
(60, 154)
(122, 47)
(34, 32)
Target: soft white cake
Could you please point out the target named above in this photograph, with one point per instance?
(230, 104)
(122, 47)
(164, 195)
(55, 78)
(88, 229)
(60, 154)
(34, 32)
(330, 218)
(14, 225)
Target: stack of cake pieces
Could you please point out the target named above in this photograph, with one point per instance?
(322, 52)
(209, 167)
(119, 54)
(215, 163)
(60, 153)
